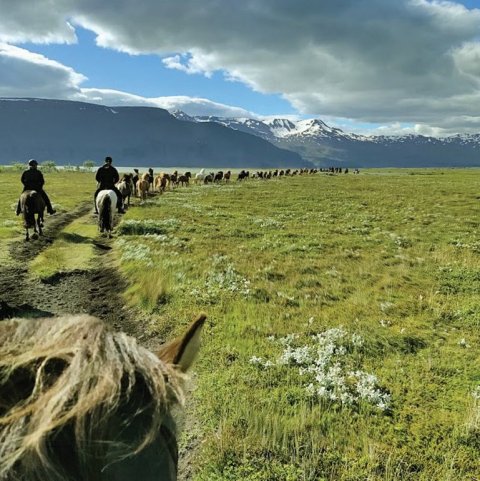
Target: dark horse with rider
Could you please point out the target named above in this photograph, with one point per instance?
(32, 179)
(33, 199)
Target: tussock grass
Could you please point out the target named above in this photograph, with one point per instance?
(149, 295)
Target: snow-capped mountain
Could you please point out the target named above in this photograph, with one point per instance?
(70, 132)
(323, 145)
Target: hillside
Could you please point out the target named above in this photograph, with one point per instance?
(71, 132)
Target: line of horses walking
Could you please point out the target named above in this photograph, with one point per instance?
(141, 185)
(33, 206)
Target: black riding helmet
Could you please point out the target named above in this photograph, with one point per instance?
(32, 162)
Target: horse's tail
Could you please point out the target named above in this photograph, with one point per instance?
(105, 213)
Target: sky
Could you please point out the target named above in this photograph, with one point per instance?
(366, 66)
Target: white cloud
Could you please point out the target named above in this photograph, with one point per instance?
(41, 21)
(412, 62)
(26, 74)
(467, 60)
(190, 65)
(190, 105)
(199, 106)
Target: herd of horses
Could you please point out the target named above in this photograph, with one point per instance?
(148, 183)
(33, 205)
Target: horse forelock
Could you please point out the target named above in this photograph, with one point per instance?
(72, 379)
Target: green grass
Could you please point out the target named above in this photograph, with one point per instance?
(392, 256)
(72, 250)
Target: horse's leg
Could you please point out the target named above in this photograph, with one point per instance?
(40, 224)
(27, 237)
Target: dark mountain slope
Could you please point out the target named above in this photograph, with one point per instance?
(71, 132)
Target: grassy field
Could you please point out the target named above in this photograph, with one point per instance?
(344, 318)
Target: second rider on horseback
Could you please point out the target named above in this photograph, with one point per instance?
(107, 176)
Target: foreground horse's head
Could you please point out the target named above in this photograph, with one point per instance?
(79, 402)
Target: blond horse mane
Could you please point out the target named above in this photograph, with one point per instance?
(73, 373)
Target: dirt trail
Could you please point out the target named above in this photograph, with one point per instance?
(93, 291)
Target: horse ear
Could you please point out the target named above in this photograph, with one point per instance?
(183, 350)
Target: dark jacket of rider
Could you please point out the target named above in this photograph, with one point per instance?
(107, 176)
(32, 180)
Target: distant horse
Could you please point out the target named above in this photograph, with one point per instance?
(200, 176)
(242, 175)
(151, 178)
(125, 186)
(31, 203)
(174, 179)
(161, 182)
(79, 401)
(208, 179)
(142, 188)
(106, 202)
(184, 179)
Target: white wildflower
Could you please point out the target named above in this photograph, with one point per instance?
(476, 393)
(323, 363)
(357, 340)
(385, 306)
(256, 360)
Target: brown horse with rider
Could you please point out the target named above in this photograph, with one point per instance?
(32, 179)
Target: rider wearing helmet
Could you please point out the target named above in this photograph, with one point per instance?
(107, 176)
(32, 179)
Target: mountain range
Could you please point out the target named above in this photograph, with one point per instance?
(69, 132)
(326, 146)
